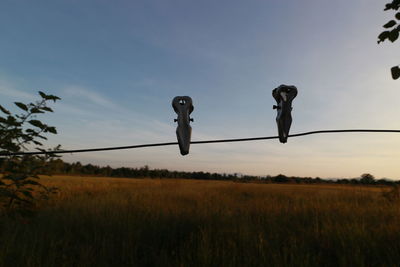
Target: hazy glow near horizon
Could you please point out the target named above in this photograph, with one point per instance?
(117, 66)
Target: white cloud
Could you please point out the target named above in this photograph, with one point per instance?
(8, 90)
(93, 97)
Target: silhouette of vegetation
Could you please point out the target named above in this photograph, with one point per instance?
(20, 189)
(58, 166)
(391, 33)
(367, 178)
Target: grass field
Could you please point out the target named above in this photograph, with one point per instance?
(153, 222)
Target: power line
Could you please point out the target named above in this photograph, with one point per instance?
(194, 142)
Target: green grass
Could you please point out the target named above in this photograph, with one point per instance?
(144, 222)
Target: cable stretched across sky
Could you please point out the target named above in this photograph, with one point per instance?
(195, 142)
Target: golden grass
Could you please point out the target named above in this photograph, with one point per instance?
(154, 222)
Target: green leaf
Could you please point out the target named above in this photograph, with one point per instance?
(36, 110)
(43, 95)
(52, 130)
(54, 98)
(47, 109)
(390, 24)
(21, 105)
(30, 131)
(37, 123)
(37, 143)
(394, 34)
(4, 110)
(383, 36)
(26, 137)
(12, 121)
(49, 97)
(395, 5)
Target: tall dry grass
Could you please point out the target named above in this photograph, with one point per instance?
(153, 222)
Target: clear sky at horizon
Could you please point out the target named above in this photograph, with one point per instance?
(118, 64)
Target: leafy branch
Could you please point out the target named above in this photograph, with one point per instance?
(392, 31)
(20, 189)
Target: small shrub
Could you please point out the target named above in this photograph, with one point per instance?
(20, 189)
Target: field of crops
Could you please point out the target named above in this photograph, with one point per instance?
(154, 222)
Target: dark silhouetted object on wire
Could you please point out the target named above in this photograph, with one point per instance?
(284, 95)
(4, 153)
(183, 106)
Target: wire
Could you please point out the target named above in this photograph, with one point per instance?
(193, 142)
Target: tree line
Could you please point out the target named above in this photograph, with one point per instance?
(58, 166)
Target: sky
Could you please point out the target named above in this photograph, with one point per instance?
(117, 65)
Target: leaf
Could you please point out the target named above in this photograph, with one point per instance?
(383, 36)
(12, 121)
(394, 34)
(397, 16)
(21, 105)
(395, 72)
(390, 24)
(43, 95)
(47, 109)
(26, 137)
(395, 4)
(37, 143)
(37, 123)
(36, 110)
(4, 110)
(49, 97)
(52, 130)
(30, 131)
(54, 98)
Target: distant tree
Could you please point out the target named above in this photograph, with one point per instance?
(354, 181)
(384, 181)
(280, 178)
(392, 32)
(20, 189)
(367, 178)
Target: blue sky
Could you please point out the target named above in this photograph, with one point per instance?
(118, 64)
